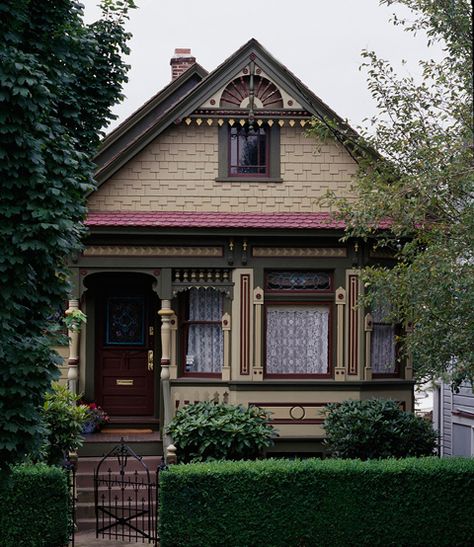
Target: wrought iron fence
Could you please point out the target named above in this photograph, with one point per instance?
(126, 497)
(70, 466)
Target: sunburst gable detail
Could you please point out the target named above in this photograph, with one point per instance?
(237, 92)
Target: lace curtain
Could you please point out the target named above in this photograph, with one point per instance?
(297, 339)
(383, 342)
(205, 347)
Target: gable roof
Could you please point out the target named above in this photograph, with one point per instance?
(186, 94)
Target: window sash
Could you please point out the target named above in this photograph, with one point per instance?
(248, 151)
(203, 337)
(297, 339)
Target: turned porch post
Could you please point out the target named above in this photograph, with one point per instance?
(166, 313)
(73, 358)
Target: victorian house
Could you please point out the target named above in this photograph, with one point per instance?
(211, 269)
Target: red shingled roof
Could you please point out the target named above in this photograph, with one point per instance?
(182, 219)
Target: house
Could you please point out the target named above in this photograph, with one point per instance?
(212, 271)
(453, 418)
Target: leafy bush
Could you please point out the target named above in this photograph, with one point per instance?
(376, 428)
(34, 507)
(210, 431)
(281, 503)
(64, 420)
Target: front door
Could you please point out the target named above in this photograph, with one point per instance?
(125, 343)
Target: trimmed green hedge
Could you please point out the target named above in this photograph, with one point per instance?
(273, 503)
(34, 507)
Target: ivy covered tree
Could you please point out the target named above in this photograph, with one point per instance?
(59, 79)
(421, 180)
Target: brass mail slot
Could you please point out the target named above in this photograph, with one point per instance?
(124, 382)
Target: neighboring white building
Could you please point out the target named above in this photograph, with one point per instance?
(453, 417)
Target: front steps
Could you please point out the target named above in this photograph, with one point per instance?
(96, 445)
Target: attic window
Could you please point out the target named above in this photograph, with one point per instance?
(248, 151)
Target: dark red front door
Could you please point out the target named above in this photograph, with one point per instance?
(125, 376)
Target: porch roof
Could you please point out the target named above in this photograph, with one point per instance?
(195, 219)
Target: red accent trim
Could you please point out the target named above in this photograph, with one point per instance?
(245, 324)
(164, 362)
(193, 219)
(329, 305)
(353, 326)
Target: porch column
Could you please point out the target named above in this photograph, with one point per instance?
(166, 313)
(73, 359)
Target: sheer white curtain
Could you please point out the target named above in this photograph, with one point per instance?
(205, 349)
(297, 339)
(383, 342)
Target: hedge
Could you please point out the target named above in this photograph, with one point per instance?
(273, 503)
(34, 507)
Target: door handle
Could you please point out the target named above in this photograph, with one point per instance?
(150, 359)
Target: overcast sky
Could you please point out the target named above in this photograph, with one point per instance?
(320, 41)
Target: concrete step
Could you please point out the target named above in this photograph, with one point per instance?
(100, 444)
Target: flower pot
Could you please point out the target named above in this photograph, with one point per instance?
(89, 427)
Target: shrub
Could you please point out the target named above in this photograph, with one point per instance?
(376, 428)
(64, 420)
(34, 507)
(425, 501)
(210, 431)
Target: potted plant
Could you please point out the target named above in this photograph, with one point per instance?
(96, 417)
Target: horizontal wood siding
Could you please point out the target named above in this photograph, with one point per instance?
(446, 441)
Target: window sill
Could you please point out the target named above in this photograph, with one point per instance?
(248, 179)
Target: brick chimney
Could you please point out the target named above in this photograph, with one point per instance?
(181, 61)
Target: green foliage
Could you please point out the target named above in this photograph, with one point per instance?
(425, 501)
(422, 182)
(74, 320)
(58, 81)
(376, 428)
(64, 420)
(34, 507)
(210, 431)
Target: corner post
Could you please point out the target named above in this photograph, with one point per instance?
(258, 297)
(368, 344)
(226, 364)
(409, 363)
(340, 372)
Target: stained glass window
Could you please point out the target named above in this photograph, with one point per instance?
(125, 320)
(298, 281)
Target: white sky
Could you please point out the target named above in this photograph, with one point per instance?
(320, 41)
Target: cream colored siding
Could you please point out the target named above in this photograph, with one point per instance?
(177, 173)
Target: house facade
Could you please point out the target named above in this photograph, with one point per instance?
(211, 269)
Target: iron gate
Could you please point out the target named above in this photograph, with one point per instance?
(126, 497)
